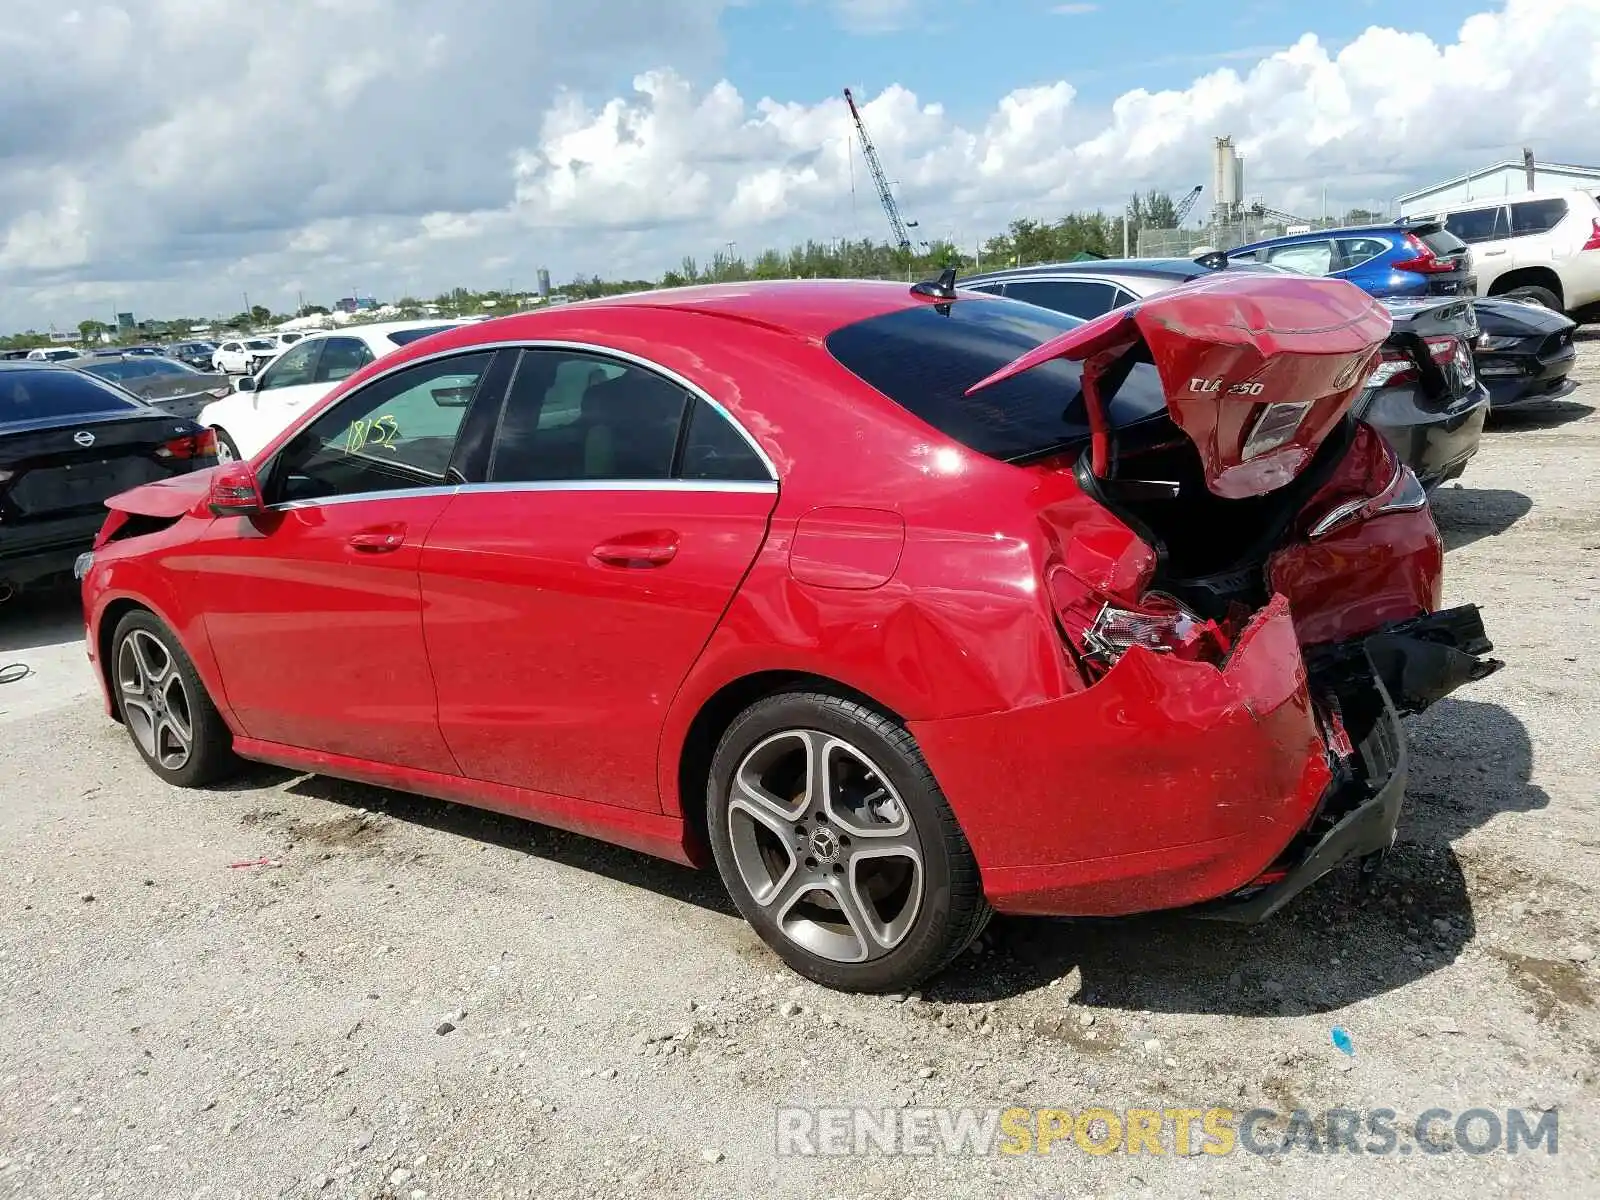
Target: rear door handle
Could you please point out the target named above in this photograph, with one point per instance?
(655, 548)
(380, 539)
(1492, 253)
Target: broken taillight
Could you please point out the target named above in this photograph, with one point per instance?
(1161, 625)
(1396, 367)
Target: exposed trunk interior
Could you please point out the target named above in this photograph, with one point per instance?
(1211, 551)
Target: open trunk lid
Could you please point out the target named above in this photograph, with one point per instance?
(1256, 369)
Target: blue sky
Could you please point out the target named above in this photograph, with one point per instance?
(968, 53)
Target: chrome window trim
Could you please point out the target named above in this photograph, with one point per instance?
(689, 486)
(561, 344)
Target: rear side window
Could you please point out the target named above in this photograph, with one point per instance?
(574, 416)
(1479, 224)
(925, 358)
(1080, 298)
(715, 450)
(42, 395)
(1355, 251)
(1536, 216)
(1303, 258)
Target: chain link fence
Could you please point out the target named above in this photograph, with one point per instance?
(1183, 243)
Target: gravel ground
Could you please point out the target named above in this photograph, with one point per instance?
(174, 1026)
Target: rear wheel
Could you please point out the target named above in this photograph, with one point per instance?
(837, 845)
(171, 719)
(1531, 294)
(226, 450)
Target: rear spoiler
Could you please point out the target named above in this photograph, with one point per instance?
(1256, 369)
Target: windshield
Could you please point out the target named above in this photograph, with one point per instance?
(925, 358)
(260, 344)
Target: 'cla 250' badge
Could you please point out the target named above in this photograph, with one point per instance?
(1206, 386)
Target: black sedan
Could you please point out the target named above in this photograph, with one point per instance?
(68, 442)
(1424, 397)
(1524, 352)
(170, 385)
(195, 354)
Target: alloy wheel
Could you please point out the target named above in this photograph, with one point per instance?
(224, 449)
(824, 843)
(155, 700)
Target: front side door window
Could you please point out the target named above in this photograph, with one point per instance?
(398, 432)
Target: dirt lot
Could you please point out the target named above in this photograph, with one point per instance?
(176, 1027)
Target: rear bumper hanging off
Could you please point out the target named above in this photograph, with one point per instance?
(1409, 666)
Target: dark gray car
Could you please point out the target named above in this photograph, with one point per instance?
(170, 385)
(1425, 396)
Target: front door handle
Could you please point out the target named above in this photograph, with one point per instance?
(654, 548)
(380, 539)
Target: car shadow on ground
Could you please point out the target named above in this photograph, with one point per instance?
(40, 618)
(1537, 414)
(1465, 515)
(1337, 943)
(700, 888)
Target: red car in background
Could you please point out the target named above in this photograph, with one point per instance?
(900, 605)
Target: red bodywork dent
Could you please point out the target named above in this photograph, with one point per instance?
(1226, 347)
(1166, 783)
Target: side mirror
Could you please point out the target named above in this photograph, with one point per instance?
(235, 491)
(245, 383)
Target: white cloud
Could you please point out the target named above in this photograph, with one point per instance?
(167, 155)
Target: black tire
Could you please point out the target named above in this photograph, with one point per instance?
(209, 755)
(227, 443)
(1543, 297)
(952, 910)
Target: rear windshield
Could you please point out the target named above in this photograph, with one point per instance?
(925, 358)
(404, 337)
(41, 395)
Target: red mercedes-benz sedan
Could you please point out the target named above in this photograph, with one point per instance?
(899, 604)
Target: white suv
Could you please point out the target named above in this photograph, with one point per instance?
(1543, 247)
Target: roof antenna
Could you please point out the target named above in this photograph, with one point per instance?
(943, 288)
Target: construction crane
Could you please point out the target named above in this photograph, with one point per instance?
(1181, 214)
(1272, 214)
(898, 225)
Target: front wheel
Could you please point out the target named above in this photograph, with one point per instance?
(837, 845)
(227, 450)
(171, 719)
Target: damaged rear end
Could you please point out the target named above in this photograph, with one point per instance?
(1252, 600)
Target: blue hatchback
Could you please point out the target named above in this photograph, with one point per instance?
(1416, 258)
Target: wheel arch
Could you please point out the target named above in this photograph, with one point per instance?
(1544, 277)
(711, 721)
(105, 632)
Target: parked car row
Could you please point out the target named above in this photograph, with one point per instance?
(1539, 247)
(896, 605)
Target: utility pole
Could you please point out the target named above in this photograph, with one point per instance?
(1527, 165)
